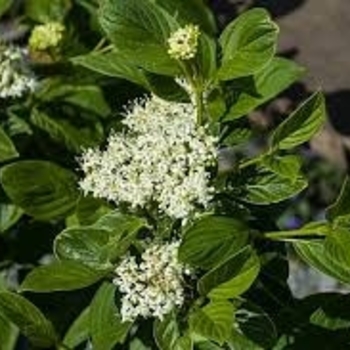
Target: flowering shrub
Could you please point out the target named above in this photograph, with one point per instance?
(129, 152)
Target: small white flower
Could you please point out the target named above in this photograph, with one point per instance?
(183, 42)
(15, 75)
(162, 160)
(153, 287)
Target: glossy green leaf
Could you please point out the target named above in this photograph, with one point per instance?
(42, 189)
(99, 244)
(75, 138)
(251, 92)
(45, 11)
(28, 318)
(232, 277)
(248, 44)
(79, 331)
(287, 166)
(238, 341)
(87, 97)
(9, 215)
(256, 325)
(7, 149)
(337, 246)
(212, 239)
(329, 319)
(313, 253)
(342, 205)
(190, 11)
(214, 321)
(267, 187)
(167, 334)
(60, 276)
(8, 333)
(111, 64)
(106, 326)
(301, 125)
(139, 31)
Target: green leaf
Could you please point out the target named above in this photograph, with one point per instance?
(232, 277)
(206, 57)
(139, 31)
(98, 245)
(111, 64)
(46, 11)
(7, 149)
(256, 325)
(79, 331)
(75, 138)
(267, 187)
(301, 125)
(106, 326)
(313, 253)
(9, 215)
(239, 342)
(167, 334)
(212, 239)
(42, 189)
(28, 318)
(190, 11)
(329, 319)
(8, 334)
(248, 44)
(4, 6)
(287, 166)
(251, 92)
(341, 207)
(337, 246)
(60, 276)
(86, 97)
(214, 321)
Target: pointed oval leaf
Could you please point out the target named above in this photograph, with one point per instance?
(106, 326)
(42, 189)
(270, 81)
(99, 244)
(79, 331)
(139, 31)
(232, 277)
(313, 253)
(7, 149)
(113, 65)
(214, 321)
(28, 318)
(212, 239)
(301, 125)
(248, 44)
(60, 276)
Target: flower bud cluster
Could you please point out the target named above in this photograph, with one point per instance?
(160, 162)
(153, 287)
(15, 75)
(183, 43)
(46, 36)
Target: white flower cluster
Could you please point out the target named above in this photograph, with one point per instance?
(153, 287)
(183, 42)
(15, 75)
(162, 160)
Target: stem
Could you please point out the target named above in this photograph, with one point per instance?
(249, 163)
(281, 235)
(199, 106)
(99, 45)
